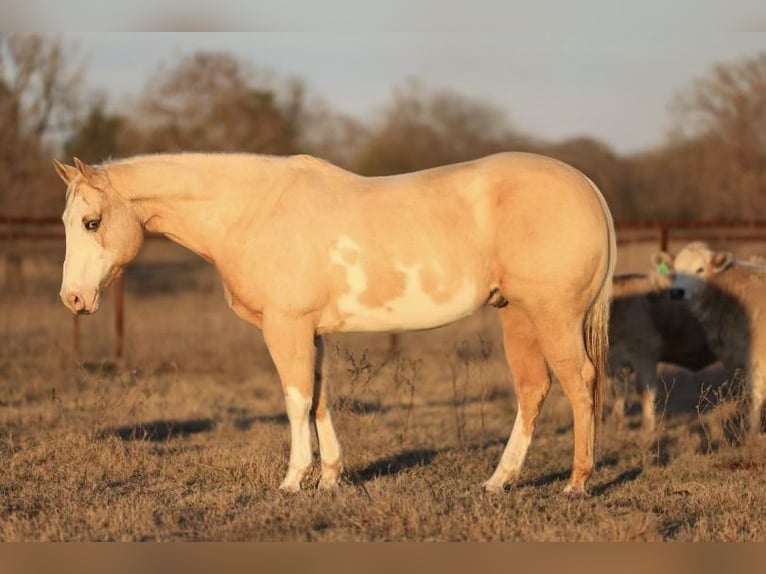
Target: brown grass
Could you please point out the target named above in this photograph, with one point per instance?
(188, 441)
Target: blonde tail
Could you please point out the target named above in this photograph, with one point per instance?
(596, 327)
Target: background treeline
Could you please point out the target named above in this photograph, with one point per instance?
(712, 166)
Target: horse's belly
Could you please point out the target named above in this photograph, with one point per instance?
(413, 308)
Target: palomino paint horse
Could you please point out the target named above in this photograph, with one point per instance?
(306, 248)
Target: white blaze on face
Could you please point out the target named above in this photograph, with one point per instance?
(87, 265)
(412, 309)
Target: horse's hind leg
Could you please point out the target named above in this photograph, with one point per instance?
(562, 343)
(531, 382)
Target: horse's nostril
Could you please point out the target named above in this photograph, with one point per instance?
(76, 302)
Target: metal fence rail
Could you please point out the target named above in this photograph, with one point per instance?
(15, 229)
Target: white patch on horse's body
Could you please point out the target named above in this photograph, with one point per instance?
(413, 309)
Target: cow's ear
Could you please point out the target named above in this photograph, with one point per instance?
(721, 260)
(662, 262)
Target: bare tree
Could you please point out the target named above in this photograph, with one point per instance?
(730, 103)
(99, 136)
(423, 128)
(39, 89)
(725, 114)
(610, 172)
(332, 135)
(214, 101)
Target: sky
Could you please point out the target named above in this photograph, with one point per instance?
(617, 86)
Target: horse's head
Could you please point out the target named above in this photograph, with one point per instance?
(103, 234)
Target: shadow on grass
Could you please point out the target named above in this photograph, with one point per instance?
(660, 451)
(562, 475)
(393, 465)
(244, 423)
(360, 407)
(670, 526)
(158, 431)
(626, 476)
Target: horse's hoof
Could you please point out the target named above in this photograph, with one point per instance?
(329, 484)
(575, 492)
(290, 487)
(495, 487)
(331, 476)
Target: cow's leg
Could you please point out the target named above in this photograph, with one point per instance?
(329, 448)
(531, 382)
(291, 344)
(757, 388)
(620, 384)
(562, 343)
(646, 382)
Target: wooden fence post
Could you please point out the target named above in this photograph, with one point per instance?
(14, 275)
(119, 323)
(119, 316)
(393, 345)
(76, 349)
(664, 230)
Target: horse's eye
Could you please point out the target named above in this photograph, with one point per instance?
(700, 270)
(92, 224)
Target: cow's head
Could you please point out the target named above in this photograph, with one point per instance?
(691, 268)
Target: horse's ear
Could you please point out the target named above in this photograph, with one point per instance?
(66, 172)
(87, 171)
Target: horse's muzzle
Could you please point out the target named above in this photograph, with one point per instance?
(77, 304)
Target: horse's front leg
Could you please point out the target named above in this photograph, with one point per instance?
(329, 448)
(291, 344)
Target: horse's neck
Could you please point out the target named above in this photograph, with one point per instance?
(182, 203)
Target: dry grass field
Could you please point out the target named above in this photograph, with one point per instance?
(188, 439)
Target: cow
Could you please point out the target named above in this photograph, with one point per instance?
(646, 327)
(728, 297)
